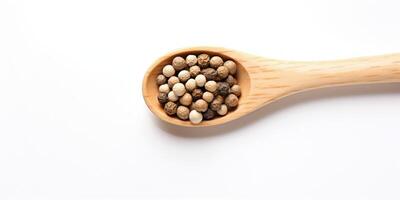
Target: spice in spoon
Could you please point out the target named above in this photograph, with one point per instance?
(198, 87)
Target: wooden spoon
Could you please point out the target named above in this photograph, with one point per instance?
(265, 80)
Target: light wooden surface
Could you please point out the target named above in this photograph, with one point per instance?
(265, 80)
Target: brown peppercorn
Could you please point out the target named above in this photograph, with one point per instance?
(162, 97)
(231, 101)
(170, 108)
(197, 94)
(179, 63)
(215, 105)
(194, 71)
(161, 79)
(200, 105)
(236, 90)
(223, 88)
(209, 114)
(183, 112)
(172, 81)
(216, 61)
(203, 60)
(209, 73)
(222, 72)
(231, 80)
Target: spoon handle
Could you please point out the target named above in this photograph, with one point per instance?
(363, 70)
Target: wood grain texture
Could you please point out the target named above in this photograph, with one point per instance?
(265, 80)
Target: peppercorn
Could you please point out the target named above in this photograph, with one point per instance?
(197, 94)
(179, 89)
(211, 86)
(186, 99)
(209, 114)
(200, 80)
(172, 81)
(223, 88)
(163, 88)
(215, 105)
(235, 89)
(208, 97)
(203, 60)
(223, 110)
(162, 97)
(200, 105)
(231, 101)
(168, 71)
(191, 60)
(231, 66)
(179, 63)
(216, 61)
(161, 79)
(182, 112)
(195, 117)
(172, 96)
(190, 85)
(231, 80)
(194, 71)
(170, 108)
(210, 73)
(222, 72)
(184, 75)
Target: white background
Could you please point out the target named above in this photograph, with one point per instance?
(73, 124)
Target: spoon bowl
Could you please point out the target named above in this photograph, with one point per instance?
(263, 80)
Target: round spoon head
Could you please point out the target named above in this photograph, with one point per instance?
(150, 88)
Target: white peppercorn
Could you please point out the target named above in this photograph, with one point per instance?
(231, 101)
(172, 81)
(162, 97)
(172, 97)
(208, 97)
(223, 110)
(182, 112)
(190, 85)
(200, 80)
(170, 108)
(179, 89)
(211, 86)
(194, 71)
(195, 117)
(161, 79)
(179, 63)
(168, 71)
(184, 75)
(191, 60)
(203, 60)
(200, 105)
(163, 88)
(216, 61)
(186, 99)
(222, 72)
(231, 66)
(235, 89)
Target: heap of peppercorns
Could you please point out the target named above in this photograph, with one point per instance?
(198, 87)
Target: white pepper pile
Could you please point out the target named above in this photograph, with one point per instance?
(198, 87)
